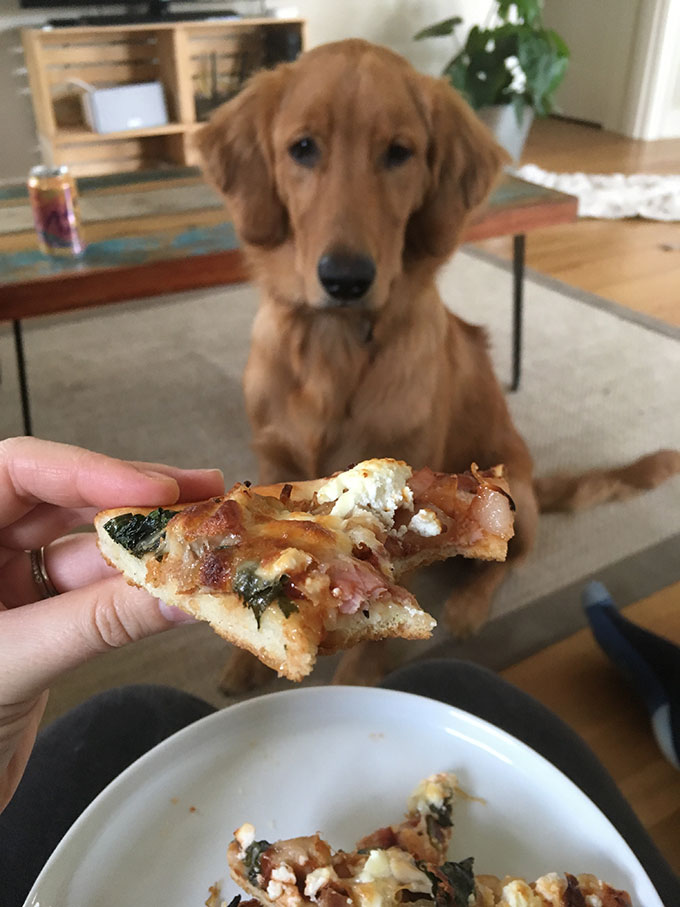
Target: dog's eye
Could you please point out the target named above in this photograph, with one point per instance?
(305, 151)
(397, 154)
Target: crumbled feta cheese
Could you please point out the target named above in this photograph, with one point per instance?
(274, 889)
(283, 873)
(245, 835)
(593, 900)
(317, 879)
(377, 485)
(425, 523)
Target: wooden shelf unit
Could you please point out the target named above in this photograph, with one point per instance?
(188, 58)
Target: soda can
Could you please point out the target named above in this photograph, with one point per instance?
(56, 213)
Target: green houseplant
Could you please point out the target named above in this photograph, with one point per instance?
(514, 63)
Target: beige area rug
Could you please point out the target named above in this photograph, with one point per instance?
(161, 380)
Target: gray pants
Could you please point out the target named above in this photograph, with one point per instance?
(80, 753)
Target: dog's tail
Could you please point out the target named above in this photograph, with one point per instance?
(562, 493)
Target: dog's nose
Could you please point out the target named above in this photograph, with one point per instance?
(345, 276)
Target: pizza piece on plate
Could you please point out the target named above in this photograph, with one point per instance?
(290, 570)
(390, 868)
(425, 831)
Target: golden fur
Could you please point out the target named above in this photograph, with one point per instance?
(397, 374)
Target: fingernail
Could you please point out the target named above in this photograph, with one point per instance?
(176, 615)
(215, 473)
(154, 474)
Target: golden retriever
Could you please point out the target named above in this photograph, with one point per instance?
(350, 177)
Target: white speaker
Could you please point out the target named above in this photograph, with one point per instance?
(125, 107)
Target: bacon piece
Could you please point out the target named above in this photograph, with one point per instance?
(353, 583)
(573, 896)
(491, 511)
(215, 568)
(303, 855)
(421, 481)
(380, 839)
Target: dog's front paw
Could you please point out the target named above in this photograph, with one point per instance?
(243, 673)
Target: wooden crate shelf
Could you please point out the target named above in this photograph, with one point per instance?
(74, 135)
(199, 64)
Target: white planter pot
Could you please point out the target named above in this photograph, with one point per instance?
(502, 121)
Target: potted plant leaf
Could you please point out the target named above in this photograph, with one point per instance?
(507, 70)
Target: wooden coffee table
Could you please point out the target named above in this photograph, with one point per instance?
(165, 231)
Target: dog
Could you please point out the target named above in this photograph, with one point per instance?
(350, 178)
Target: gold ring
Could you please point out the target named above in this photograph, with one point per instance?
(39, 573)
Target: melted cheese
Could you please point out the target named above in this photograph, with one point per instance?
(384, 874)
(291, 560)
(551, 887)
(433, 791)
(519, 894)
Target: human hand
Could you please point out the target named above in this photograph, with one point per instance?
(47, 489)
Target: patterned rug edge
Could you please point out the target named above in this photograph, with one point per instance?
(585, 296)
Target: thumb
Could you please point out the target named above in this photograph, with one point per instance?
(41, 641)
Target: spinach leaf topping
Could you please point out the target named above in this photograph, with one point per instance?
(462, 878)
(442, 813)
(287, 606)
(137, 533)
(252, 859)
(257, 593)
(452, 883)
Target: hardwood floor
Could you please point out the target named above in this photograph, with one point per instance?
(578, 682)
(632, 262)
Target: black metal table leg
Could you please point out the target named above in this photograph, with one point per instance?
(518, 243)
(23, 380)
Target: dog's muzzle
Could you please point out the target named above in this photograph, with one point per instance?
(345, 276)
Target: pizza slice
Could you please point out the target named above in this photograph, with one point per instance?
(287, 571)
(400, 865)
(388, 866)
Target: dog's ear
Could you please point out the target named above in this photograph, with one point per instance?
(236, 152)
(464, 162)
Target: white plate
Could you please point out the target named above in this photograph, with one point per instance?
(340, 760)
